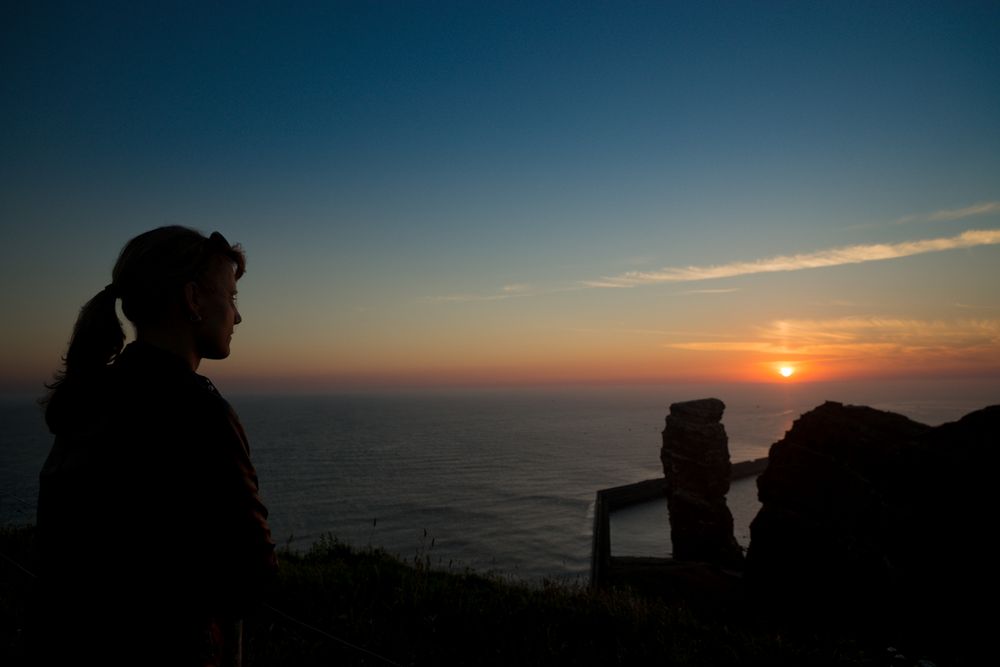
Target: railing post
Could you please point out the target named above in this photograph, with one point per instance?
(600, 557)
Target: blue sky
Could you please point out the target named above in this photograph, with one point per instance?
(425, 189)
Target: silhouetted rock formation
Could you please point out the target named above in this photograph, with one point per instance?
(819, 531)
(941, 529)
(871, 513)
(695, 458)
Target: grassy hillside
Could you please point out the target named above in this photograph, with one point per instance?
(411, 614)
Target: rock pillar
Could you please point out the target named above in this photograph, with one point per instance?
(695, 458)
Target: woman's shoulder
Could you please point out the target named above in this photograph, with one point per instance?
(80, 404)
(156, 384)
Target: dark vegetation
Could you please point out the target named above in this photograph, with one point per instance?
(412, 614)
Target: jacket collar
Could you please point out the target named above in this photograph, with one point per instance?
(143, 354)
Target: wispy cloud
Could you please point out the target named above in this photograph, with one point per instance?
(660, 333)
(853, 336)
(512, 291)
(969, 306)
(856, 254)
(727, 290)
(468, 297)
(725, 346)
(950, 215)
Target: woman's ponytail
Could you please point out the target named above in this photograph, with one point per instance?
(97, 339)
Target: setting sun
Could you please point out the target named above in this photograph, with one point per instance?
(786, 371)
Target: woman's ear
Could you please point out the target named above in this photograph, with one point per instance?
(192, 300)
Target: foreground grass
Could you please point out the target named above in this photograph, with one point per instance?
(410, 614)
(413, 614)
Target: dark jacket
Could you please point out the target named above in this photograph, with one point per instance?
(148, 504)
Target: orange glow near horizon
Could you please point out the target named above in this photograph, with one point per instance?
(586, 362)
(503, 356)
(682, 367)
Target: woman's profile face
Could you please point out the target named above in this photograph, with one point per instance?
(218, 311)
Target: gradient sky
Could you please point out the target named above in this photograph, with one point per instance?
(504, 192)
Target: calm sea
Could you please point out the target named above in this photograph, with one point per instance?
(499, 480)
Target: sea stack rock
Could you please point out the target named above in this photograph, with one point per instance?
(696, 465)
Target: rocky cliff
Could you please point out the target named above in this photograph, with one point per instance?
(868, 513)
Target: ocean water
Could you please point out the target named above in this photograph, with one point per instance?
(500, 480)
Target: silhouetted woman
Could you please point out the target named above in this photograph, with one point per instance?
(152, 539)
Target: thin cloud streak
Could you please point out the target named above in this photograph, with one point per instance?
(849, 336)
(512, 291)
(515, 291)
(467, 298)
(824, 258)
(646, 332)
(950, 215)
(727, 290)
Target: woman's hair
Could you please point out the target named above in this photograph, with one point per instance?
(148, 277)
